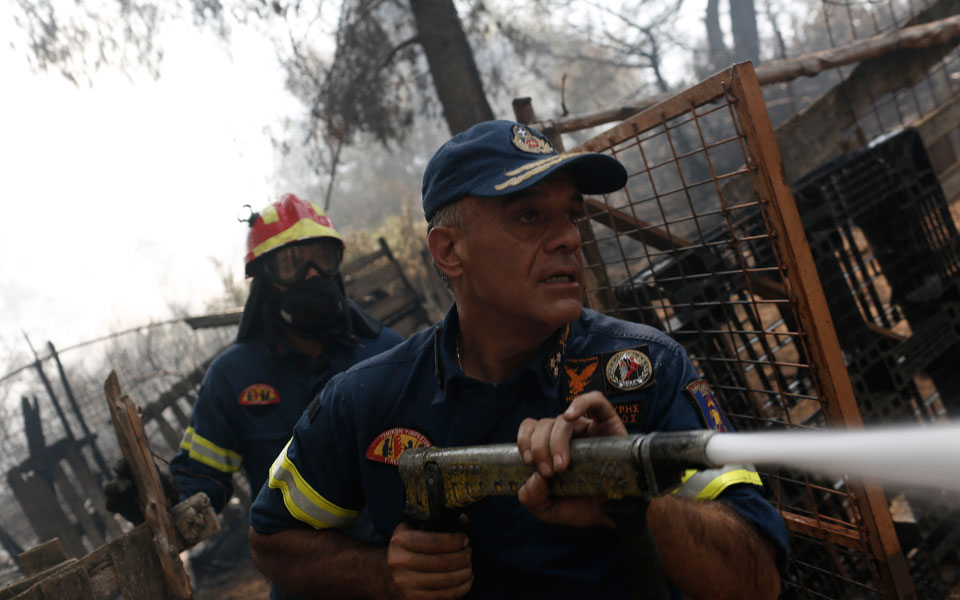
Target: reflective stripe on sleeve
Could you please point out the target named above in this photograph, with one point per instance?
(303, 502)
(708, 484)
(204, 451)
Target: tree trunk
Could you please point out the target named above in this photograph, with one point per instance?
(451, 64)
(743, 24)
(719, 55)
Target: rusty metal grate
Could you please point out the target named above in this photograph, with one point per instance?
(705, 243)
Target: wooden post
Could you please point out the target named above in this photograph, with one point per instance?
(133, 443)
(46, 383)
(39, 502)
(88, 436)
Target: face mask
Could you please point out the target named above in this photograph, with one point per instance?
(315, 308)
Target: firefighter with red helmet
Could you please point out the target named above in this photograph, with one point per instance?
(298, 330)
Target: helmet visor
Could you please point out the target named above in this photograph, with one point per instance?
(290, 264)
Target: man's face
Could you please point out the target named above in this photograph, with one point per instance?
(522, 266)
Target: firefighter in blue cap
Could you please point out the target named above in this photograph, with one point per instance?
(517, 359)
(298, 330)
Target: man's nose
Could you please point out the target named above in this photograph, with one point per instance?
(564, 234)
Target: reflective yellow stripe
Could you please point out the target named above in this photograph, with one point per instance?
(302, 229)
(206, 452)
(303, 502)
(269, 215)
(708, 484)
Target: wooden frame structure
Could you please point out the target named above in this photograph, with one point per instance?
(761, 307)
(142, 564)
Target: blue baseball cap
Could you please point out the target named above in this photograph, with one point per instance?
(499, 158)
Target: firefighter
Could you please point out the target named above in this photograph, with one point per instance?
(515, 351)
(298, 330)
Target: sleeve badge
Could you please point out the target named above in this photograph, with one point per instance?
(705, 400)
(389, 445)
(259, 394)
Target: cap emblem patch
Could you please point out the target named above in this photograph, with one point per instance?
(258, 394)
(389, 445)
(629, 370)
(525, 139)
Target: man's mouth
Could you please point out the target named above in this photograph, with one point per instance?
(560, 279)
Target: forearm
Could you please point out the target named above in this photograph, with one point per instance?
(324, 563)
(734, 561)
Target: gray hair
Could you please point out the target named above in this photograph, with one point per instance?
(450, 215)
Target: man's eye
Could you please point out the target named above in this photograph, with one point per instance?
(528, 216)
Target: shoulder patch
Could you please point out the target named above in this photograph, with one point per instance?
(705, 400)
(580, 375)
(389, 445)
(627, 370)
(259, 394)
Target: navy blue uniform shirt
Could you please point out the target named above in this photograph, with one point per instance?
(342, 456)
(248, 404)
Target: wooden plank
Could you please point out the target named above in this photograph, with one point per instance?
(42, 557)
(72, 583)
(661, 239)
(133, 443)
(358, 263)
(91, 489)
(138, 570)
(374, 280)
(626, 224)
(18, 588)
(194, 520)
(842, 534)
(409, 325)
(816, 135)
(391, 305)
(599, 290)
(916, 36)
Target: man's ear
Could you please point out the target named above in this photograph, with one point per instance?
(445, 247)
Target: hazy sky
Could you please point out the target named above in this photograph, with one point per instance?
(116, 198)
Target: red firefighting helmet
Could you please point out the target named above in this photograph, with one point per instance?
(289, 221)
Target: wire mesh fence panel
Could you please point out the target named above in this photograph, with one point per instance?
(57, 445)
(705, 243)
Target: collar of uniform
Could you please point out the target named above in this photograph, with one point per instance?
(545, 366)
(310, 363)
